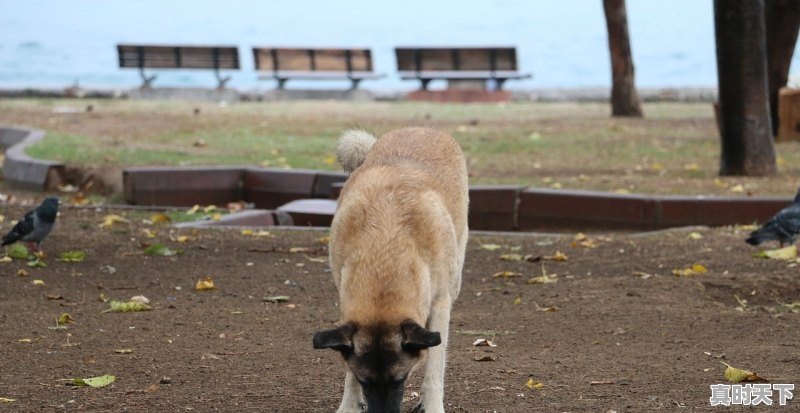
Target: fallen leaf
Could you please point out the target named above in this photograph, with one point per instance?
(124, 351)
(737, 188)
(734, 375)
(205, 283)
(490, 247)
(789, 253)
(96, 382)
(7, 400)
(65, 319)
(6, 259)
(149, 233)
(642, 275)
(159, 250)
(484, 358)
(506, 274)
(533, 384)
(324, 240)
(22, 273)
(558, 257)
(518, 301)
(139, 299)
(247, 232)
(216, 216)
(320, 260)
(511, 257)
(298, 249)
(599, 382)
(72, 256)
(181, 239)
(210, 208)
(110, 220)
(18, 252)
(37, 282)
(54, 296)
(193, 210)
(543, 279)
(695, 235)
(37, 263)
(25, 340)
(482, 342)
(696, 269)
(276, 299)
(160, 218)
(127, 307)
(329, 160)
(793, 307)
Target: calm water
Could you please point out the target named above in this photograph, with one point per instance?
(51, 43)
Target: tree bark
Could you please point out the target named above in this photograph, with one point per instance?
(744, 119)
(624, 98)
(782, 18)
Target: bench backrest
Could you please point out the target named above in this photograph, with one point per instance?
(312, 60)
(178, 57)
(416, 59)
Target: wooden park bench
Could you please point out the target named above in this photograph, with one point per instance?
(178, 57)
(462, 67)
(283, 64)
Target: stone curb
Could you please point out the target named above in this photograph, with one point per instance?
(22, 171)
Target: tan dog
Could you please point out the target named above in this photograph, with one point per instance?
(396, 250)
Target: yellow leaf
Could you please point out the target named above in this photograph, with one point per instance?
(7, 400)
(25, 340)
(558, 257)
(691, 167)
(247, 232)
(330, 160)
(511, 257)
(6, 259)
(544, 279)
(506, 274)
(216, 216)
(149, 233)
(789, 253)
(22, 273)
(533, 384)
(518, 301)
(64, 319)
(38, 282)
(298, 249)
(205, 283)
(159, 218)
(110, 220)
(325, 240)
(734, 375)
(209, 208)
(124, 351)
(695, 235)
(180, 238)
(737, 188)
(696, 269)
(193, 210)
(490, 247)
(657, 167)
(622, 191)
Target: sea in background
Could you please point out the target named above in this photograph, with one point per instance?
(54, 43)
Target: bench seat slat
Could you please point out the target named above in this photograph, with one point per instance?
(465, 74)
(295, 74)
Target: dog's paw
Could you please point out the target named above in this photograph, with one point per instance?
(420, 408)
(361, 408)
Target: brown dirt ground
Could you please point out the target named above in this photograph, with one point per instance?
(227, 350)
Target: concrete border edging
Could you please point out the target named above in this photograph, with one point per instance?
(22, 171)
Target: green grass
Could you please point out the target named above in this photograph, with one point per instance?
(674, 149)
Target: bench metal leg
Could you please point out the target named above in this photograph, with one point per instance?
(355, 83)
(281, 83)
(425, 83)
(147, 81)
(499, 83)
(221, 81)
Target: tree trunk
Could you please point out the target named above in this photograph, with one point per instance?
(783, 22)
(744, 120)
(624, 98)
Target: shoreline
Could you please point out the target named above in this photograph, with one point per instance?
(583, 94)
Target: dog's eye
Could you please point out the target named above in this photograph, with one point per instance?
(399, 379)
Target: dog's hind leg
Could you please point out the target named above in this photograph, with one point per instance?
(433, 383)
(352, 400)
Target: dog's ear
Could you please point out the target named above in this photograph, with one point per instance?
(339, 338)
(416, 338)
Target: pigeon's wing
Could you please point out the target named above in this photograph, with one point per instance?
(24, 227)
(788, 221)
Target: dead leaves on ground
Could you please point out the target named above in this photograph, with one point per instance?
(734, 375)
(788, 254)
(204, 284)
(695, 269)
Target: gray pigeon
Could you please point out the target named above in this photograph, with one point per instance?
(783, 227)
(35, 225)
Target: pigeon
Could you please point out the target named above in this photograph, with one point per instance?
(35, 225)
(783, 227)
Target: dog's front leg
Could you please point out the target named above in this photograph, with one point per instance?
(433, 383)
(352, 400)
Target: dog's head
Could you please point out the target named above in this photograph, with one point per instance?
(380, 357)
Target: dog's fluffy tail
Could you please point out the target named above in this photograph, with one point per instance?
(354, 144)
